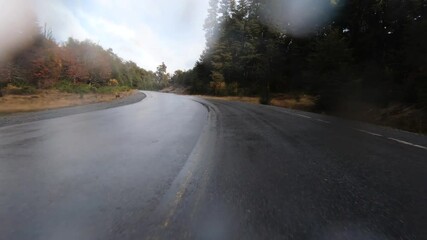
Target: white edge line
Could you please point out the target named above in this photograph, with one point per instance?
(304, 116)
(364, 131)
(407, 143)
(323, 121)
(370, 133)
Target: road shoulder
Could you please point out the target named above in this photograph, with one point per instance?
(19, 118)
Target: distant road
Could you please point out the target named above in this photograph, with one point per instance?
(179, 167)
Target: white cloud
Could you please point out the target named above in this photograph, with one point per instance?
(60, 20)
(109, 27)
(145, 31)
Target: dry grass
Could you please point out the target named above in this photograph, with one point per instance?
(50, 99)
(253, 100)
(396, 116)
(176, 90)
(303, 102)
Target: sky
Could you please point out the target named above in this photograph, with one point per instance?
(147, 32)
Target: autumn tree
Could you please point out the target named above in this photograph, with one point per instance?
(73, 66)
(46, 63)
(42, 63)
(162, 77)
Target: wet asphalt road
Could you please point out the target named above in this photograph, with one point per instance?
(178, 167)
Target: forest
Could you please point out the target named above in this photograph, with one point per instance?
(365, 53)
(362, 57)
(72, 66)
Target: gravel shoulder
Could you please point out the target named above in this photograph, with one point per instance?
(19, 118)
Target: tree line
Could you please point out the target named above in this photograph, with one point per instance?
(369, 51)
(43, 63)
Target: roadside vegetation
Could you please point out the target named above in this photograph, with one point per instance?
(45, 99)
(43, 66)
(73, 66)
(69, 87)
(367, 61)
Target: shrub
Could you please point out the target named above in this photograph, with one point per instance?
(21, 90)
(112, 89)
(69, 87)
(218, 88)
(264, 100)
(66, 86)
(1, 89)
(113, 82)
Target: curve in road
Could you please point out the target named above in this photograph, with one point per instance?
(177, 167)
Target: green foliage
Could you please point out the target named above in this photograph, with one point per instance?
(20, 90)
(3, 85)
(233, 89)
(415, 60)
(265, 100)
(329, 67)
(162, 77)
(112, 89)
(79, 88)
(372, 52)
(28, 90)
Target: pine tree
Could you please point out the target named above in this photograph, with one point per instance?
(211, 25)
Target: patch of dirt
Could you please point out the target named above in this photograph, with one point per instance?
(52, 99)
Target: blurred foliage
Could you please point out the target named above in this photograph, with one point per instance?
(73, 66)
(82, 88)
(370, 52)
(19, 90)
(79, 88)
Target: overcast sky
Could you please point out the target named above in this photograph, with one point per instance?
(147, 32)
